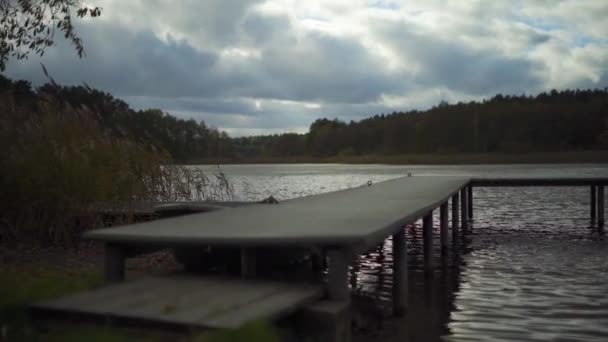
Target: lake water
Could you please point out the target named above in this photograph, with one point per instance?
(532, 268)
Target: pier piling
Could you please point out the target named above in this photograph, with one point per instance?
(337, 275)
(427, 238)
(400, 285)
(114, 263)
(455, 217)
(463, 208)
(600, 206)
(593, 203)
(443, 226)
(470, 202)
(248, 262)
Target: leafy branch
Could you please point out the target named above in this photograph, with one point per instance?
(30, 25)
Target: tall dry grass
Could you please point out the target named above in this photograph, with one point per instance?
(59, 168)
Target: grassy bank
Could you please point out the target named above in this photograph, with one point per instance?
(429, 159)
(23, 284)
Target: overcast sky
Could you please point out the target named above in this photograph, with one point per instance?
(253, 67)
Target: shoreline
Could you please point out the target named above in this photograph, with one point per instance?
(568, 157)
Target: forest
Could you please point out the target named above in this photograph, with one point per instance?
(555, 121)
(181, 139)
(569, 120)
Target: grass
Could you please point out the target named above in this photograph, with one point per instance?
(256, 332)
(93, 335)
(21, 285)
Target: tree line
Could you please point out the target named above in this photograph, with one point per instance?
(181, 139)
(567, 120)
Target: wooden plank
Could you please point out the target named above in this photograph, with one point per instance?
(271, 307)
(166, 292)
(189, 300)
(131, 301)
(228, 301)
(92, 298)
(172, 296)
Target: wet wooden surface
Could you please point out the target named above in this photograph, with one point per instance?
(365, 215)
(197, 301)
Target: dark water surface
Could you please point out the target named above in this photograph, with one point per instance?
(532, 267)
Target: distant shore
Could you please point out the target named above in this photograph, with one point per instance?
(572, 157)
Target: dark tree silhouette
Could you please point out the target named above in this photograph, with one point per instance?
(183, 139)
(567, 120)
(30, 26)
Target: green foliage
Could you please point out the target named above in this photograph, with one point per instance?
(260, 331)
(24, 284)
(30, 25)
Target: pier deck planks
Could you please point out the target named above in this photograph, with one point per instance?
(365, 215)
(187, 300)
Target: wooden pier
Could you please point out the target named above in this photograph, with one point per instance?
(341, 224)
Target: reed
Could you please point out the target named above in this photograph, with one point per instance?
(59, 167)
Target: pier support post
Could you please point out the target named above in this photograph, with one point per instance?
(325, 320)
(337, 275)
(443, 226)
(352, 274)
(399, 273)
(470, 202)
(593, 209)
(427, 241)
(248, 262)
(600, 206)
(455, 217)
(463, 208)
(114, 263)
(318, 262)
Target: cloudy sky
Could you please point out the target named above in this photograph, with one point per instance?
(266, 66)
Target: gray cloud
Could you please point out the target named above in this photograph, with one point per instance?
(319, 68)
(323, 68)
(127, 64)
(263, 28)
(456, 66)
(250, 65)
